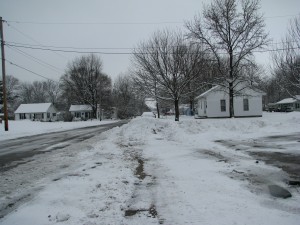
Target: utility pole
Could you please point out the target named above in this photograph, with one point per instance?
(3, 77)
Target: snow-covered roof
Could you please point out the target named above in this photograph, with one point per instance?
(297, 97)
(151, 103)
(33, 108)
(80, 108)
(207, 92)
(287, 101)
(215, 88)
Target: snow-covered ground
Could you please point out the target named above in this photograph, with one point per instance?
(21, 128)
(158, 171)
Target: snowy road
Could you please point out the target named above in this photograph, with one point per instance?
(28, 163)
(25, 147)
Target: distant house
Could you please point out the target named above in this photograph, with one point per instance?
(36, 111)
(214, 103)
(81, 111)
(289, 104)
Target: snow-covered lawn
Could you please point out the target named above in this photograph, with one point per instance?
(158, 171)
(21, 128)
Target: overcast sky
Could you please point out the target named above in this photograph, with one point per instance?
(114, 25)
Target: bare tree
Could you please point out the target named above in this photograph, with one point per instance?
(52, 91)
(286, 61)
(39, 94)
(124, 97)
(26, 93)
(12, 87)
(82, 82)
(149, 86)
(167, 64)
(231, 33)
(12, 93)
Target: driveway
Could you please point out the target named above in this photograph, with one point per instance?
(278, 150)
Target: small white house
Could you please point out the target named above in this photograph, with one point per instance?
(36, 111)
(81, 111)
(214, 103)
(289, 104)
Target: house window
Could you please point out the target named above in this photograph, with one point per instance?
(48, 115)
(53, 114)
(22, 116)
(246, 104)
(223, 105)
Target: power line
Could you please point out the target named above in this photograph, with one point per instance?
(120, 23)
(21, 67)
(69, 47)
(94, 23)
(39, 61)
(281, 16)
(71, 51)
(29, 37)
(124, 53)
(105, 48)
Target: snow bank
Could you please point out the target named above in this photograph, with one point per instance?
(21, 128)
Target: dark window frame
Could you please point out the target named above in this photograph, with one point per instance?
(246, 104)
(223, 105)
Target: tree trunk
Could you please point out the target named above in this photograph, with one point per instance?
(157, 109)
(176, 110)
(231, 108)
(94, 112)
(191, 106)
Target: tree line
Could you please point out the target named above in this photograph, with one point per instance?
(83, 83)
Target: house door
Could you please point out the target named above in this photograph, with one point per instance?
(205, 107)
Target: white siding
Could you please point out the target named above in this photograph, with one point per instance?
(255, 106)
(201, 107)
(52, 110)
(213, 101)
(214, 104)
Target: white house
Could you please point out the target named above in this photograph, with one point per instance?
(81, 111)
(214, 103)
(289, 104)
(36, 111)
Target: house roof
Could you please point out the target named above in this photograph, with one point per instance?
(215, 88)
(80, 108)
(33, 108)
(287, 101)
(151, 103)
(207, 92)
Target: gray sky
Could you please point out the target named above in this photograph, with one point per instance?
(112, 24)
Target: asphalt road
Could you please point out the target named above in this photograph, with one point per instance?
(282, 151)
(15, 150)
(27, 164)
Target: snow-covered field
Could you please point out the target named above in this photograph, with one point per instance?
(21, 128)
(158, 171)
